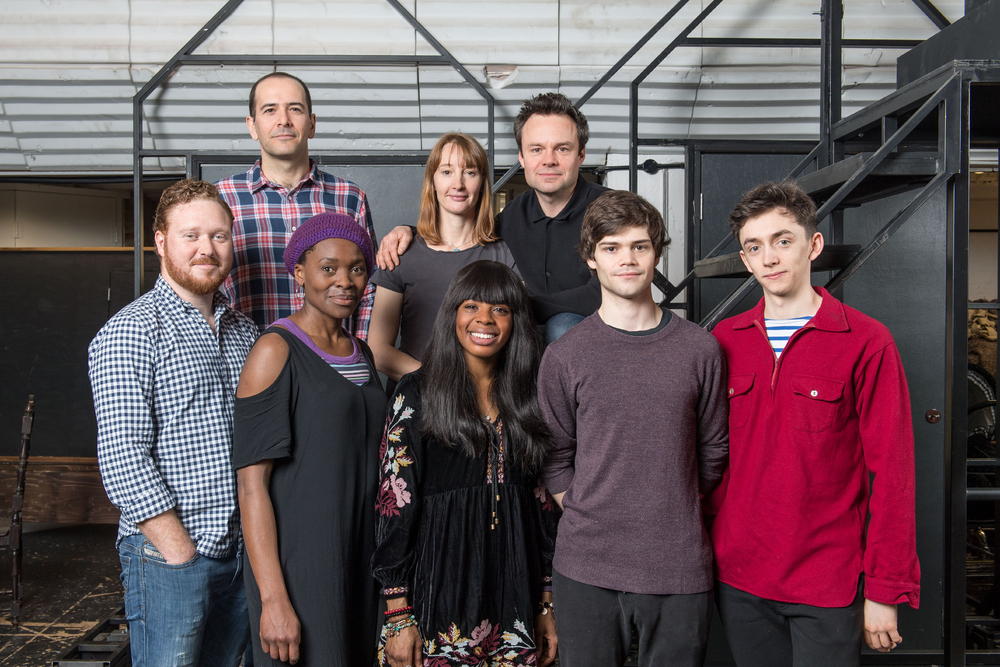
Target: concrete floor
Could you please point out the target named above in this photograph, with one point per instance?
(71, 584)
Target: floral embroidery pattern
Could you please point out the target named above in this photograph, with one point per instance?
(393, 455)
(486, 646)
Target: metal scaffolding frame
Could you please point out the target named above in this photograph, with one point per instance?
(185, 56)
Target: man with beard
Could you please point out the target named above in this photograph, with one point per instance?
(164, 372)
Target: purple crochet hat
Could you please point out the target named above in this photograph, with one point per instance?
(328, 226)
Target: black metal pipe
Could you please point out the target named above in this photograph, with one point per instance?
(953, 147)
(811, 157)
(831, 66)
(631, 52)
(795, 43)
(933, 13)
(633, 176)
(137, 120)
(307, 60)
(459, 67)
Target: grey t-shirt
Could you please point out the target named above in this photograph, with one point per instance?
(423, 276)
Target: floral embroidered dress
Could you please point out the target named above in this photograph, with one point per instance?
(468, 540)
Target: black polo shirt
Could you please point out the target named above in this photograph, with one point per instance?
(545, 251)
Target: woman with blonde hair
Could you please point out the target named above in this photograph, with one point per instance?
(455, 229)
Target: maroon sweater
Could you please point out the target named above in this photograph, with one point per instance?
(641, 426)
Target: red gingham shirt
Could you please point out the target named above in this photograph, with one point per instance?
(265, 215)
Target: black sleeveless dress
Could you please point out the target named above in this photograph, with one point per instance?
(323, 433)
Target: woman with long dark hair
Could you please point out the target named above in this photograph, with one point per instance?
(455, 228)
(466, 529)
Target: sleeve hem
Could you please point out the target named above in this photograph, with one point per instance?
(888, 594)
(149, 510)
(280, 450)
(559, 482)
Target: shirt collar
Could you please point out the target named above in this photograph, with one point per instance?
(165, 293)
(577, 201)
(258, 180)
(829, 317)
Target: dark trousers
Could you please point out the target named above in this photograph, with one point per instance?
(595, 626)
(766, 633)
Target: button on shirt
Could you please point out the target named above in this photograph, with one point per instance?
(806, 431)
(164, 385)
(265, 215)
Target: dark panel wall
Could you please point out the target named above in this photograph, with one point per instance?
(53, 303)
(724, 179)
(903, 286)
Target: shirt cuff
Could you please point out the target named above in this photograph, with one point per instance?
(394, 592)
(558, 482)
(888, 592)
(154, 504)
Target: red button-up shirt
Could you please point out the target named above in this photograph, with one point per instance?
(806, 431)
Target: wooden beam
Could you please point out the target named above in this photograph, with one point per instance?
(58, 489)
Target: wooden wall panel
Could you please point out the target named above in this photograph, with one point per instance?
(57, 490)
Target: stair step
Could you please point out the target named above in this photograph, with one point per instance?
(833, 257)
(897, 173)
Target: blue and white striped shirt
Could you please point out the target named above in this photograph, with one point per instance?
(779, 331)
(164, 386)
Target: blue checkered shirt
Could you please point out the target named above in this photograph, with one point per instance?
(164, 386)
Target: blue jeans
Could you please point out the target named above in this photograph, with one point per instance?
(559, 324)
(188, 615)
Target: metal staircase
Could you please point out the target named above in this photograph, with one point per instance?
(915, 143)
(908, 141)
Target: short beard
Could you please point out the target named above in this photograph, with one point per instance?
(186, 280)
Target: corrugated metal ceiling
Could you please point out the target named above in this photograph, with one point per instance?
(69, 68)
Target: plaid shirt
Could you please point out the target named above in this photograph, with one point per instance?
(266, 215)
(164, 386)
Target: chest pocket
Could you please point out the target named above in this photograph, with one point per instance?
(815, 402)
(738, 390)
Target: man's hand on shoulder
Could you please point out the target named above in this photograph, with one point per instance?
(880, 628)
(393, 245)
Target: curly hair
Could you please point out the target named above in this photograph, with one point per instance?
(786, 196)
(183, 192)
